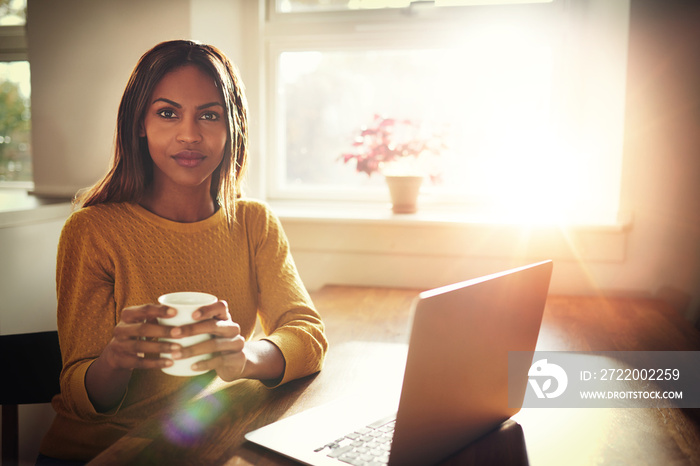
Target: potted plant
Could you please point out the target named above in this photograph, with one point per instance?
(403, 151)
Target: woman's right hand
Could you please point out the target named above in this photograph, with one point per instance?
(134, 345)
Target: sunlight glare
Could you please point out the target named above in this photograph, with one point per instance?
(523, 171)
(526, 166)
(294, 65)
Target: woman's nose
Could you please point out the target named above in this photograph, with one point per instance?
(188, 131)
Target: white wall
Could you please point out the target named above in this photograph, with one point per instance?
(661, 173)
(81, 53)
(28, 274)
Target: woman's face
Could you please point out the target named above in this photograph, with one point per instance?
(186, 129)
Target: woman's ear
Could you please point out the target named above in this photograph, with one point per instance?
(142, 131)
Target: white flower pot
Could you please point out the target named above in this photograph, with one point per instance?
(404, 191)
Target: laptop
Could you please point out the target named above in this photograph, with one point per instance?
(445, 402)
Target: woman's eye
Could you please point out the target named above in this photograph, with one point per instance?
(166, 113)
(212, 116)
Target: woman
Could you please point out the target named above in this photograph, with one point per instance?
(168, 217)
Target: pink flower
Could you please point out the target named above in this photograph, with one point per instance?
(387, 140)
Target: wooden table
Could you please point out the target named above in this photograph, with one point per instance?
(368, 331)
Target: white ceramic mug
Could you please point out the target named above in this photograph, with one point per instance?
(185, 302)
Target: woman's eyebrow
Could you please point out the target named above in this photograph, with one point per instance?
(167, 101)
(177, 105)
(210, 104)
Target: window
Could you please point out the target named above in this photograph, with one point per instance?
(15, 116)
(527, 96)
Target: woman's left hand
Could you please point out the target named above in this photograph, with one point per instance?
(226, 345)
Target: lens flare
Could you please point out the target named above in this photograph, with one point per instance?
(187, 423)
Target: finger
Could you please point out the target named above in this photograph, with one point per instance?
(141, 330)
(150, 347)
(144, 347)
(228, 366)
(219, 328)
(214, 346)
(136, 362)
(127, 359)
(136, 314)
(218, 310)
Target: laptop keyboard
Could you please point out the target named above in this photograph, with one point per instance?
(368, 446)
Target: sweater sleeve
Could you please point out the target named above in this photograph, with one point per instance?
(86, 309)
(287, 314)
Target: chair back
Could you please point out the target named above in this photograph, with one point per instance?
(30, 364)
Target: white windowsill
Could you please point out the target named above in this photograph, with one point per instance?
(18, 203)
(381, 213)
(18, 207)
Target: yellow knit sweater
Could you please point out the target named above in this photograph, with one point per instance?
(112, 256)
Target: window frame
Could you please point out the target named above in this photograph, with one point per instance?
(13, 43)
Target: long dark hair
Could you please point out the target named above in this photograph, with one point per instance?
(131, 168)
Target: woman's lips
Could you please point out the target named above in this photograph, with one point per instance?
(188, 158)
